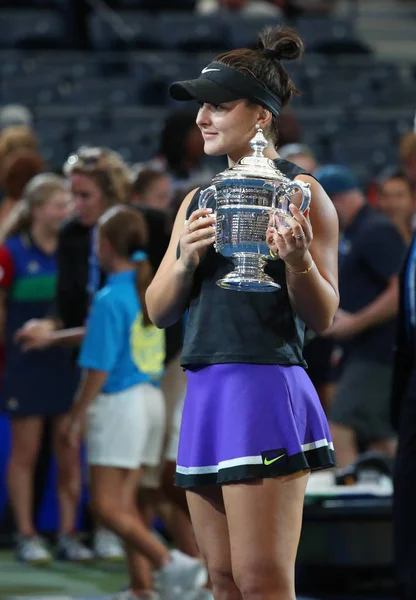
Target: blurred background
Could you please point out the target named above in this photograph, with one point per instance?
(96, 73)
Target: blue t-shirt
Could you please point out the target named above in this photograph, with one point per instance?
(116, 340)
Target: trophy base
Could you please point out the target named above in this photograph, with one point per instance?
(248, 275)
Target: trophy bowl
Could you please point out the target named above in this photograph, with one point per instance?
(247, 196)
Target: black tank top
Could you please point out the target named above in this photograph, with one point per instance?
(225, 326)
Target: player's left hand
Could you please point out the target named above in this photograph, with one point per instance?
(291, 243)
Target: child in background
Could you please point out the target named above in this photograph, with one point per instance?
(37, 387)
(121, 354)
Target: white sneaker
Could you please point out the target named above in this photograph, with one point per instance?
(32, 549)
(107, 546)
(70, 548)
(182, 572)
(130, 595)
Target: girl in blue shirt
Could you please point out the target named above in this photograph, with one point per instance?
(122, 353)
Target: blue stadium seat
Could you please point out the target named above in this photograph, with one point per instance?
(29, 91)
(135, 30)
(32, 29)
(66, 65)
(328, 34)
(340, 94)
(104, 92)
(55, 153)
(191, 33)
(244, 30)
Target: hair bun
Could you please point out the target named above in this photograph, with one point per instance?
(280, 43)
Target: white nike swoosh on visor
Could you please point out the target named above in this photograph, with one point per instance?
(208, 70)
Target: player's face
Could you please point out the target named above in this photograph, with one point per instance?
(54, 211)
(228, 128)
(87, 197)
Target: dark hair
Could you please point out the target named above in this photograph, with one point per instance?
(145, 178)
(126, 230)
(19, 169)
(264, 63)
(37, 192)
(394, 173)
(174, 138)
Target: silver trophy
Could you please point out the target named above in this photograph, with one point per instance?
(246, 197)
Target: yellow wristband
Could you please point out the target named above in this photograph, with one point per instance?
(305, 272)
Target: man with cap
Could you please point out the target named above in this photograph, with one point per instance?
(370, 257)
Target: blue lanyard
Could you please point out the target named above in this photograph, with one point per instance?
(410, 290)
(93, 268)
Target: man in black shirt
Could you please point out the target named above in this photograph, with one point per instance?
(371, 254)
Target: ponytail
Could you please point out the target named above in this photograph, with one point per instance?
(126, 230)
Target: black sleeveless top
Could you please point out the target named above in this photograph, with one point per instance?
(225, 326)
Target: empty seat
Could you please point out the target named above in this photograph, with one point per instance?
(330, 35)
(134, 30)
(244, 30)
(102, 92)
(32, 29)
(192, 33)
(29, 91)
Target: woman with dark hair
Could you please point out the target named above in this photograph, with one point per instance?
(37, 386)
(252, 426)
(152, 188)
(182, 149)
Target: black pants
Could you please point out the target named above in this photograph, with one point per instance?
(404, 513)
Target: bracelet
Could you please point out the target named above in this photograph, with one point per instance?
(305, 272)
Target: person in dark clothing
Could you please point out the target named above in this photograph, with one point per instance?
(371, 254)
(252, 419)
(403, 412)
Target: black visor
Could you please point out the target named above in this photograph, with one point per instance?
(220, 83)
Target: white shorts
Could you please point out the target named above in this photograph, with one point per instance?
(126, 429)
(171, 451)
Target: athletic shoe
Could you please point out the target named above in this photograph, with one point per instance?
(32, 549)
(182, 572)
(107, 546)
(70, 548)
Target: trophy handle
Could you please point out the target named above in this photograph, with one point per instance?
(305, 189)
(206, 195)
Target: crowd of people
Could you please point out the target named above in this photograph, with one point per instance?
(108, 276)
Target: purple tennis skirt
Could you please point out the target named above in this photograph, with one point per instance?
(244, 421)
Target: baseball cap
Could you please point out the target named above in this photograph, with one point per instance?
(336, 179)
